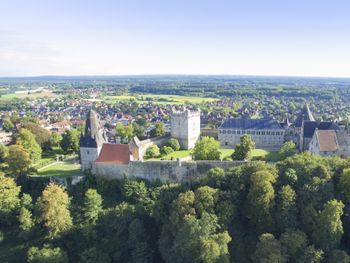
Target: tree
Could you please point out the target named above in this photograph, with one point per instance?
(166, 150)
(338, 256)
(152, 152)
(124, 132)
(139, 130)
(27, 140)
(312, 255)
(25, 219)
(56, 139)
(94, 255)
(46, 254)
(70, 141)
(329, 229)
(18, 160)
(42, 136)
(243, 150)
(268, 250)
(9, 197)
(92, 207)
(260, 200)
(4, 151)
(206, 149)
(174, 144)
(53, 207)
(287, 149)
(158, 130)
(344, 184)
(293, 244)
(286, 209)
(8, 125)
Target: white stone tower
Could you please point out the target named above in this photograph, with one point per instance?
(91, 141)
(186, 127)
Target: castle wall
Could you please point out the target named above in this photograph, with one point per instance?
(165, 171)
(159, 141)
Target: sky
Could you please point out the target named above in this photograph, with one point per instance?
(137, 37)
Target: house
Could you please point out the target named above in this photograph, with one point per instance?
(324, 143)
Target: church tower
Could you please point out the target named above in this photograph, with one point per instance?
(185, 127)
(91, 141)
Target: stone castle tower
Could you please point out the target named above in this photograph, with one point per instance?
(185, 126)
(91, 141)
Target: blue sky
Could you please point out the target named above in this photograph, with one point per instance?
(105, 37)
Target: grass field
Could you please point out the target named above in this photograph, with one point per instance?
(224, 153)
(29, 96)
(159, 99)
(61, 169)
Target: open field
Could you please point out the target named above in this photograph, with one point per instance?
(61, 169)
(29, 96)
(159, 99)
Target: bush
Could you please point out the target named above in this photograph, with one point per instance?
(167, 150)
(152, 152)
(2, 236)
(174, 144)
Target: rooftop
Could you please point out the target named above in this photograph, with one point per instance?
(327, 140)
(114, 154)
(250, 124)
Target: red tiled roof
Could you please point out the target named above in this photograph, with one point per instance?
(114, 153)
(327, 140)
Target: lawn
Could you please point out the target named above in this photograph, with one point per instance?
(159, 99)
(29, 96)
(174, 155)
(272, 156)
(61, 169)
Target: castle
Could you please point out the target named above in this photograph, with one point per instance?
(117, 160)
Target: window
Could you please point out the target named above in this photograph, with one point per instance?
(238, 132)
(224, 131)
(229, 131)
(226, 143)
(262, 133)
(233, 132)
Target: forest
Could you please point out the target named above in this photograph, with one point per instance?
(296, 210)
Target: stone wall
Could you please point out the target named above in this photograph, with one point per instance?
(165, 171)
(159, 141)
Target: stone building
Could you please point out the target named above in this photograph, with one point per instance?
(91, 141)
(266, 133)
(324, 143)
(186, 127)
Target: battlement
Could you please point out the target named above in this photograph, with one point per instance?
(185, 113)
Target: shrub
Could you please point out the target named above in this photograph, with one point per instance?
(174, 144)
(167, 150)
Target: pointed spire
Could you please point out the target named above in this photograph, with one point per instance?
(304, 115)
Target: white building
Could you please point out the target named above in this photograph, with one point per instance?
(324, 143)
(186, 127)
(266, 133)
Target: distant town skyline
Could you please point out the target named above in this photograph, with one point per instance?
(154, 37)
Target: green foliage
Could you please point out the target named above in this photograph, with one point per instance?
(243, 150)
(174, 144)
(338, 256)
(46, 254)
(18, 160)
(9, 197)
(293, 244)
(152, 152)
(25, 219)
(55, 139)
(92, 207)
(268, 250)
(288, 149)
(125, 132)
(27, 140)
(94, 255)
(4, 151)
(165, 150)
(286, 208)
(8, 125)
(42, 136)
(329, 229)
(158, 130)
(261, 200)
(345, 184)
(70, 141)
(53, 208)
(206, 148)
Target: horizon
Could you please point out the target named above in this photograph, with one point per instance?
(118, 38)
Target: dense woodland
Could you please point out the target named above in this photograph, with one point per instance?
(294, 211)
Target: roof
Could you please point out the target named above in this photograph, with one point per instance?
(304, 115)
(327, 140)
(93, 135)
(310, 127)
(250, 124)
(114, 154)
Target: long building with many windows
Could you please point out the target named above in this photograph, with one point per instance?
(266, 133)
